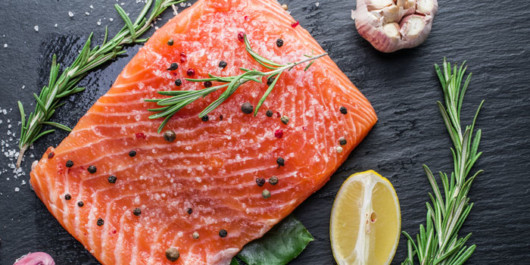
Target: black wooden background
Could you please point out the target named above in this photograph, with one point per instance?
(493, 36)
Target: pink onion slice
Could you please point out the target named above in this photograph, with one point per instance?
(35, 258)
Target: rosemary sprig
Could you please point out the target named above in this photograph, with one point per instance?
(64, 84)
(438, 242)
(179, 99)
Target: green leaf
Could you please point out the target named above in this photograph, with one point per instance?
(280, 245)
(58, 125)
(127, 21)
(309, 65)
(22, 119)
(266, 94)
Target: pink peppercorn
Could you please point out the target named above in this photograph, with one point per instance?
(241, 36)
(183, 57)
(278, 134)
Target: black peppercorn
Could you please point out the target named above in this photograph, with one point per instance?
(170, 136)
(189, 211)
(69, 163)
(172, 254)
(170, 42)
(269, 113)
(273, 180)
(280, 161)
(223, 233)
(222, 64)
(343, 110)
(247, 108)
(80, 203)
(221, 117)
(100, 222)
(173, 66)
(67, 196)
(178, 82)
(260, 181)
(50, 155)
(92, 169)
(132, 153)
(208, 84)
(270, 80)
(279, 42)
(112, 179)
(342, 141)
(205, 118)
(137, 211)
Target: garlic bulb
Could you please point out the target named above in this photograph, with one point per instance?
(391, 25)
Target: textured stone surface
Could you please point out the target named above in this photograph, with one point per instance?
(493, 36)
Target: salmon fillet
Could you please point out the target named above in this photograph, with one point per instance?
(142, 195)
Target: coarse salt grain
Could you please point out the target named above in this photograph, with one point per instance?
(36, 28)
(70, 13)
(5, 45)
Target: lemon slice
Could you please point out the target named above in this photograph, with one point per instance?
(365, 221)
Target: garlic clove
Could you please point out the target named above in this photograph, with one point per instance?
(426, 7)
(392, 30)
(391, 14)
(378, 4)
(412, 26)
(409, 4)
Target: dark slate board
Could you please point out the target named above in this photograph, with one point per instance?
(493, 36)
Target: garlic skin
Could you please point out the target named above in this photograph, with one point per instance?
(391, 25)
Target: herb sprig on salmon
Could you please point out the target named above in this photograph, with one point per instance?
(181, 98)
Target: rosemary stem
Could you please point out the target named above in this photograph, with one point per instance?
(21, 154)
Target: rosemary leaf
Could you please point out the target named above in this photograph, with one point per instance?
(127, 21)
(57, 125)
(266, 94)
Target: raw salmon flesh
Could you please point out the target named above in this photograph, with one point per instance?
(142, 195)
